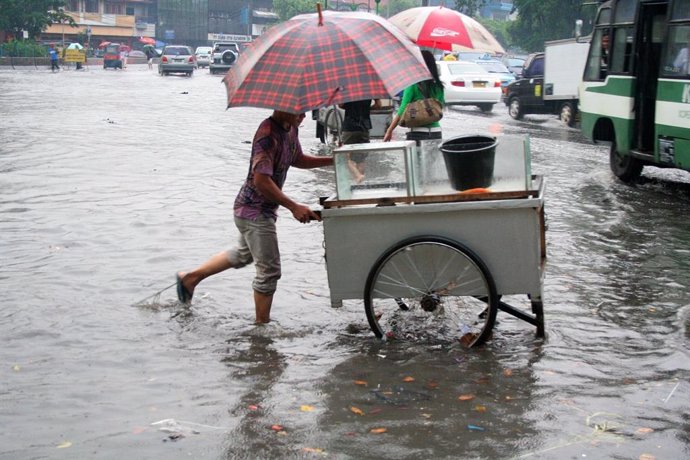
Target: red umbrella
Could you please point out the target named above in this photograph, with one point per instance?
(446, 29)
(315, 60)
(147, 40)
(103, 44)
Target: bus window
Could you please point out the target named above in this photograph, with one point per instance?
(681, 10)
(625, 11)
(597, 61)
(621, 54)
(676, 53)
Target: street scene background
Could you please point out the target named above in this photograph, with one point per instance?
(114, 180)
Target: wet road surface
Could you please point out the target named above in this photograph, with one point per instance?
(113, 181)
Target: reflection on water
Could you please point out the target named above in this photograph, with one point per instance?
(437, 402)
(256, 368)
(113, 181)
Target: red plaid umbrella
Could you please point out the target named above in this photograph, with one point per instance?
(445, 29)
(314, 60)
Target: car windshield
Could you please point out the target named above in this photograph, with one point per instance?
(177, 51)
(461, 68)
(493, 66)
(516, 62)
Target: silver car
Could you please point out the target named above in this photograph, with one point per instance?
(177, 59)
(203, 56)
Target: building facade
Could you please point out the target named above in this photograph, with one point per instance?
(189, 22)
(99, 21)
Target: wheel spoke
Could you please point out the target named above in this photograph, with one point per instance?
(439, 281)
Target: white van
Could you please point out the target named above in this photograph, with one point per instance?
(203, 56)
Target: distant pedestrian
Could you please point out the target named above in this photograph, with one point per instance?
(53, 58)
(123, 57)
(149, 56)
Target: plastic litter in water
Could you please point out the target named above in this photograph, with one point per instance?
(475, 428)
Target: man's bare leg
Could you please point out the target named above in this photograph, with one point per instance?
(262, 304)
(215, 264)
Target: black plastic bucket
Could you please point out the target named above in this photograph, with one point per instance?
(470, 160)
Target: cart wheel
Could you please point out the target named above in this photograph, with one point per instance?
(448, 290)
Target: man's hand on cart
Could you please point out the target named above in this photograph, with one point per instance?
(303, 214)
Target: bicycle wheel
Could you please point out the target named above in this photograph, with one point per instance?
(431, 289)
(334, 126)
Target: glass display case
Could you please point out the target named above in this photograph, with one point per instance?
(512, 164)
(375, 170)
(403, 169)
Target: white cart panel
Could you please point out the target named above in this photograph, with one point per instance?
(506, 234)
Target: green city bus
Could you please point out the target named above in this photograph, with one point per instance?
(635, 91)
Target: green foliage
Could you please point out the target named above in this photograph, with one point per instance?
(285, 9)
(468, 7)
(22, 48)
(33, 16)
(396, 6)
(499, 29)
(543, 20)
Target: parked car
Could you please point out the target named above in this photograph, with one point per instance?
(467, 83)
(224, 55)
(514, 63)
(497, 68)
(472, 55)
(177, 59)
(203, 56)
(136, 57)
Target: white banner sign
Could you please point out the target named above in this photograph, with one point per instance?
(229, 38)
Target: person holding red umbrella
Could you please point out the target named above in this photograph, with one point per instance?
(275, 149)
(432, 87)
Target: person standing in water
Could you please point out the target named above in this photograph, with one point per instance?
(275, 149)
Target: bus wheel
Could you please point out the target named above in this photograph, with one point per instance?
(625, 167)
(515, 108)
(567, 115)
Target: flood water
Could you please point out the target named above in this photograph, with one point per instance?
(114, 180)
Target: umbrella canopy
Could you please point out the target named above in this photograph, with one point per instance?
(446, 29)
(314, 60)
(147, 40)
(103, 44)
(75, 46)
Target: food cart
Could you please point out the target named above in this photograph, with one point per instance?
(429, 260)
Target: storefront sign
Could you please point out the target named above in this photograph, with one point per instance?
(229, 38)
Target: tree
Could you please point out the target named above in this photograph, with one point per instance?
(396, 6)
(543, 20)
(33, 16)
(499, 29)
(285, 9)
(469, 7)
